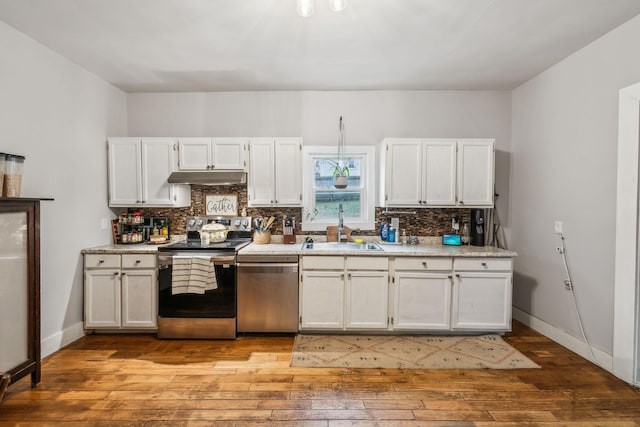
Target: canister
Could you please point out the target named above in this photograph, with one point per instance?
(13, 166)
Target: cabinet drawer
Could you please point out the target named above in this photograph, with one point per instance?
(101, 261)
(367, 263)
(323, 263)
(482, 264)
(422, 263)
(138, 261)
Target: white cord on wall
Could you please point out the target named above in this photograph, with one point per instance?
(569, 284)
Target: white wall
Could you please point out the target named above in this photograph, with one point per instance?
(564, 148)
(368, 116)
(58, 116)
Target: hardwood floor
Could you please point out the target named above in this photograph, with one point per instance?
(138, 380)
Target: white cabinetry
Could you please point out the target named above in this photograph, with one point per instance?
(275, 172)
(212, 153)
(138, 172)
(482, 294)
(120, 291)
(421, 293)
(437, 172)
(343, 293)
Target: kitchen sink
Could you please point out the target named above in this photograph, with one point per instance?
(335, 246)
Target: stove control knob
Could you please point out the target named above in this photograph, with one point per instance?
(191, 222)
(245, 223)
(199, 222)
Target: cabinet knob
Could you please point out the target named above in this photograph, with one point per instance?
(124, 274)
(138, 261)
(458, 276)
(276, 201)
(461, 202)
(115, 273)
(424, 264)
(101, 261)
(213, 166)
(271, 201)
(484, 264)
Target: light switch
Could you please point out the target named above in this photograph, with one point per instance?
(557, 227)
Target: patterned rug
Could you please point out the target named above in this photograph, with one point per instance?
(407, 352)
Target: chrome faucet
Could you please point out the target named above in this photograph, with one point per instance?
(341, 235)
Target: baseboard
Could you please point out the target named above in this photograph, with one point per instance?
(60, 339)
(578, 346)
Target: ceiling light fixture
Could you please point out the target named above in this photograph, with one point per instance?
(306, 7)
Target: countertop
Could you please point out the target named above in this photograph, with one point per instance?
(423, 249)
(427, 247)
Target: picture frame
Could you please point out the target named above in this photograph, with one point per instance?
(221, 205)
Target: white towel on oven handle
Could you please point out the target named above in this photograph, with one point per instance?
(203, 275)
(180, 273)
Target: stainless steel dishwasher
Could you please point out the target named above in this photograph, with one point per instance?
(267, 293)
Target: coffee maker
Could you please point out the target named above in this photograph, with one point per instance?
(477, 227)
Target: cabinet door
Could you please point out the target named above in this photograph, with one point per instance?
(421, 301)
(403, 172)
(322, 300)
(125, 172)
(482, 301)
(261, 176)
(102, 298)
(194, 153)
(475, 172)
(439, 172)
(139, 298)
(367, 300)
(157, 164)
(288, 172)
(228, 153)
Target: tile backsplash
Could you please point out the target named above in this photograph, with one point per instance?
(425, 221)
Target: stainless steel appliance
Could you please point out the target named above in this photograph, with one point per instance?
(267, 293)
(211, 314)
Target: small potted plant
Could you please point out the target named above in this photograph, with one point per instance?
(340, 174)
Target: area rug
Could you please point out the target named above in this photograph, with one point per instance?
(407, 352)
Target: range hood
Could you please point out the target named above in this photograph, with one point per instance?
(211, 177)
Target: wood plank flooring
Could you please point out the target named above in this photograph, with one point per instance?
(138, 380)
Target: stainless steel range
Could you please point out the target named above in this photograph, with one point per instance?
(197, 283)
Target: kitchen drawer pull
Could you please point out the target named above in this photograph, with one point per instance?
(484, 264)
(115, 273)
(124, 274)
(458, 276)
(138, 261)
(424, 264)
(101, 261)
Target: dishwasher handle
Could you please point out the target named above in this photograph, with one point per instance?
(267, 264)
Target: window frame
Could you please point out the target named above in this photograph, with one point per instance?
(368, 187)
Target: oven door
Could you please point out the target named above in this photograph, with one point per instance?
(215, 303)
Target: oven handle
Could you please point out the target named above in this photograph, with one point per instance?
(164, 262)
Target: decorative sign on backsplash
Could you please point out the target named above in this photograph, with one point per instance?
(221, 204)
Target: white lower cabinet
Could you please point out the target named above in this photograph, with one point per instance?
(424, 293)
(422, 301)
(343, 293)
(322, 300)
(120, 291)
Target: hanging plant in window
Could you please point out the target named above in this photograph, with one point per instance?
(341, 167)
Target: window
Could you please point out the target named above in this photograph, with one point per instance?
(322, 199)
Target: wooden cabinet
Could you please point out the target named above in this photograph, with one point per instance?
(421, 293)
(20, 288)
(437, 172)
(482, 294)
(138, 172)
(344, 293)
(212, 153)
(120, 291)
(275, 172)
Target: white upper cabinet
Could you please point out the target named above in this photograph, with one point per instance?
(275, 172)
(138, 172)
(437, 172)
(475, 172)
(212, 153)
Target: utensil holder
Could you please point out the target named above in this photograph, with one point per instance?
(262, 237)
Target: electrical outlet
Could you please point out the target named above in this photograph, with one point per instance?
(104, 223)
(557, 227)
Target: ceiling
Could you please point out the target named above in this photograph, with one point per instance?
(247, 45)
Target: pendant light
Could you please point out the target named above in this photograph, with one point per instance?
(337, 5)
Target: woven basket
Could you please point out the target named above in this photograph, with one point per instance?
(262, 237)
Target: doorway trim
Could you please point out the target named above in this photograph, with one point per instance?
(626, 293)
